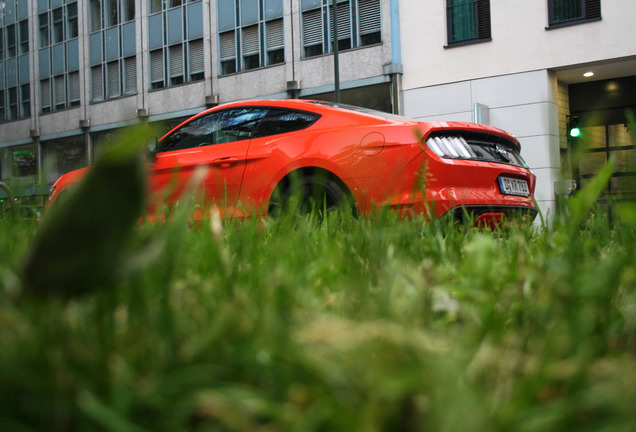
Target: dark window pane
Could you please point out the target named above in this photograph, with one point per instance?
(24, 162)
(251, 62)
(72, 20)
(96, 15)
(58, 25)
(228, 67)
(567, 10)
(282, 121)
(370, 39)
(24, 37)
(314, 50)
(462, 20)
(276, 57)
(11, 44)
(44, 30)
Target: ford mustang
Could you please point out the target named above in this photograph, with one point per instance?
(258, 157)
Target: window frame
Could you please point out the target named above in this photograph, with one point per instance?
(58, 33)
(590, 12)
(263, 30)
(111, 76)
(353, 26)
(15, 93)
(188, 50)
(481, 19)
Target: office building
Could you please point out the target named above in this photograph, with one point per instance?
(72, 72)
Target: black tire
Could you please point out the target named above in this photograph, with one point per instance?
(315, 193)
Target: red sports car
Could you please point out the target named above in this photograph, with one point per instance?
(257, 156)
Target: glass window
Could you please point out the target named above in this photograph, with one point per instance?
(60, 84)
(258, 26)
(24, 37)
(3, 110)
(214, 128)
(26, 100)
(467, 21)
(13, 103)
(15, 100)
(573, 11)
(358, 23)
(58, 25)
(44, 30)
(112, 13)
(96, 15)
(183, 60)
(113, 70)
(23, 161)
(601, 144)
(62, 156)
(11, 41)
(128, 11)
(71, 11)
(155, 6)
(283, 121)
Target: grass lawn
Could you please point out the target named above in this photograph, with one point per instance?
(349, 325)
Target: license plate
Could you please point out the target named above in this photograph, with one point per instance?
(513, 186)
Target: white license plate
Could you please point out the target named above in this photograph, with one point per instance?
(513, 186)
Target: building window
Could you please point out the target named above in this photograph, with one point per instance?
(175, 34)
(112, 49)
(251, 34)
(63, 155)
(18, 163)
(467, 21)
(565, 12)
(359, 25)
(15, 94)
(58, 55)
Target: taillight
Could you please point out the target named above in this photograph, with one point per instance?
(453, 147)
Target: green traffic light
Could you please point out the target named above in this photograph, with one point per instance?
(575, 132)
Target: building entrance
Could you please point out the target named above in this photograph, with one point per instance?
(600, 129)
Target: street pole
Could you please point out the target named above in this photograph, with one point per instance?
(336, 65)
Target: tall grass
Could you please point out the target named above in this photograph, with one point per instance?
(350, 325)
(367, 324)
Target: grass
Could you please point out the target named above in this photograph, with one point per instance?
(349, 325)
(352, 325)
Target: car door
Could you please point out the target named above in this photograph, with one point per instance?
(214, 146)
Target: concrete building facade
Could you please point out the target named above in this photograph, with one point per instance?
(73, 72)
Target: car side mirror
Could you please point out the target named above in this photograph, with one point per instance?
(151, 146)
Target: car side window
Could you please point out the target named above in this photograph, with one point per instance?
(215, 128)
(278, 121)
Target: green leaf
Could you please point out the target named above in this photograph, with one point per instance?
(83, 240)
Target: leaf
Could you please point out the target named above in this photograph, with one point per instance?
(581, 204)
(104, 415)
(82, 242)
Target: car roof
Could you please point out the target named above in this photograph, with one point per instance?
(316, 106)
(325, 108)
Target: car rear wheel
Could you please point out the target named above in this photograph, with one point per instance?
(307, 193)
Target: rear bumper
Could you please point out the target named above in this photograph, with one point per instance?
(491, 216)
(464, 189)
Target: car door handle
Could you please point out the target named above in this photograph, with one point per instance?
(225, 162)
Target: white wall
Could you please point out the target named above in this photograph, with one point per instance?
(520, 41)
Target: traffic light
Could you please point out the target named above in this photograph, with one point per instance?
(573, 127)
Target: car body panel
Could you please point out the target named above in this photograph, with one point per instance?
(383, 160)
